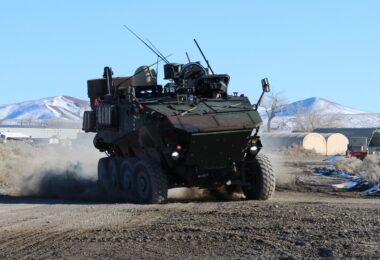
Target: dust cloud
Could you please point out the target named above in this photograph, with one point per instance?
(187, 193)
(65, 172)
(55, 171)
(287, 163)
(69, 172)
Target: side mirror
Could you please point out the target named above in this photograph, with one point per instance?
(266, 88)
(265, 84)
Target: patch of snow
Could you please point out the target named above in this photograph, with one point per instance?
(56, 108)
(286, 116)
(346, 185)
(316, 105)
(373, 190)
(352, 183)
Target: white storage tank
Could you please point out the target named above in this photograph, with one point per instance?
(314, 141)
(336, 144)
(309, 141)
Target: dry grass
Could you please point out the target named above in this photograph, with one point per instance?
(368, 169)
(296, 152)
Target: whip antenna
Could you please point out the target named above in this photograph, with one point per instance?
(147, 45)
(204, 57)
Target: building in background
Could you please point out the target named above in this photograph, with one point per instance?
(372, 135)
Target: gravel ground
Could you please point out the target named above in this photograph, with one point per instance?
(306, 218)
(291, 225)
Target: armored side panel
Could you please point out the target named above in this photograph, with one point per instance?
(106, 116)
(89, 123)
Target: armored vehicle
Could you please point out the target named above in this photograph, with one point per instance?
(188, 133)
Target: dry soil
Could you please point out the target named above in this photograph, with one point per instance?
(304, 219)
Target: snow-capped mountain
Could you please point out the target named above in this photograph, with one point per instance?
(63, 108)
(70, 109)
(328, 112)
(316, 105)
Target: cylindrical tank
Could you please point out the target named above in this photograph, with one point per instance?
(309, 141)
(315, 141)
(336, 143)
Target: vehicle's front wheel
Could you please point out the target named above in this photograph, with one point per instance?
(261, 179)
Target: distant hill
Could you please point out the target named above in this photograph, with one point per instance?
(58, 108)
(344, 116)
(316, 105)
(69, 110)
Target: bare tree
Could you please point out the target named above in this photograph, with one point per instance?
(307, 121)
(43, 123)
(20, 121)
(273, 104)
(29, 121)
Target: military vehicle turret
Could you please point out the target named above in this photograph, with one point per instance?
(189, 133)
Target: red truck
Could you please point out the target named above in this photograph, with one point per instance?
(357, 147)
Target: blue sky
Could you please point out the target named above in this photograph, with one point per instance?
(328, 49)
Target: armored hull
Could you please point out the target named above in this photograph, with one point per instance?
(179, 136)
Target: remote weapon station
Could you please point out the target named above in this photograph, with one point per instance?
(189, 133)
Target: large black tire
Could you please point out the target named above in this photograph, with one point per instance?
(103, 180)
(108, 176)
(126, 179)
(150, 183)
(259, 174)
(113, 184)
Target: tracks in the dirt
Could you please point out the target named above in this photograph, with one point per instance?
(302, 220)
(293, 225)
(33, 243)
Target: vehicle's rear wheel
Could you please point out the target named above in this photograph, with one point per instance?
(113, 185)
(103, 179)
(150, 182)
(259, 174)
(126, 179)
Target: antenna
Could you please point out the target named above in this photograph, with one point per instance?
(157, 50)
(188, 58)
(158, 60)
(147, 45)
(204, 57)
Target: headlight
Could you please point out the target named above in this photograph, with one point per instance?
(253, 149)
(175, 155)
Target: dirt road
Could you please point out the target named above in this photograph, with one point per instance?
(291, 225)
(49, 209)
